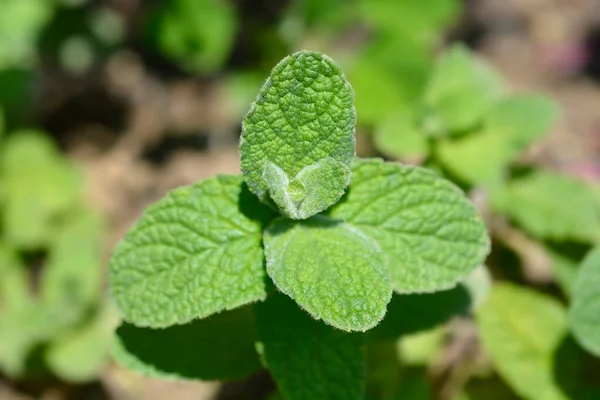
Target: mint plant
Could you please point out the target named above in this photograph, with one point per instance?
(299, 254)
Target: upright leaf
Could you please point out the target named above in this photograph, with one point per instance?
(330, 269)
(522, 330)
(298, 137)
(431, 233)
(585, 307)
(219, 347)
(308, 359)
(551, 206)
(192, 254)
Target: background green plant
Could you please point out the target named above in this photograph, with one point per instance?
(420, 99)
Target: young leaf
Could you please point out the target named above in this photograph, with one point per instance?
(219, 347)
(298, 137)
(192, 254)
(521, 330)
(308, 359)
(551, 206)
(585, 308)
(461, 89)
(431, 233)
(330, 269)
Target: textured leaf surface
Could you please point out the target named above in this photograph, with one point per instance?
(413, 313)
(308, 359)
(585, 306)
(331, 270)
(430, 232)
(461, 89)
(521, 330)
(198, 34)
(219, 347)
(300, 131)
(551, 206)
(192, 254)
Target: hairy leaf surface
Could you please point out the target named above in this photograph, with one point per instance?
(431, 233)
(192, 254)
(330, 269)
(298, 137)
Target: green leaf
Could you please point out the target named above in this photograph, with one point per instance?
(508, 128)
(431, 233)
(308, 359)
(461, 90)
(565, 270)
(476, 159)
(378, 92)
(194, 253)
(522, 119)
(220, 347)
(398, 136)
(330, 269)
(39, 186)
(20, 24)
(585, 307)
(82, 355)
(413, 313)
(198, 34)
(521, 331)
(71, 281)
(298, 137)
(551, 206)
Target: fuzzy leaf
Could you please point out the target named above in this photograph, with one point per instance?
(330, 269)
(192, 254)
(219, 347)
(521, 330)
(431, 233)
(461, 90)
(298, 137)
(308, 359)
(551, 206)
(585, 307)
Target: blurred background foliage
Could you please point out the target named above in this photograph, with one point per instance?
(107, 104)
